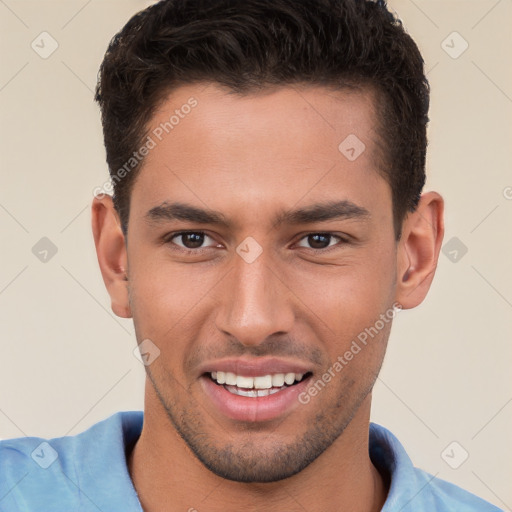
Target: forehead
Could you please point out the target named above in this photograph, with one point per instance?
(276, 146)
(286, 114)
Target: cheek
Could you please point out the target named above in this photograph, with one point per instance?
(163, 293)
(348, 298)
(347, 303)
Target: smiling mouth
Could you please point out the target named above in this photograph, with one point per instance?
(259, 386)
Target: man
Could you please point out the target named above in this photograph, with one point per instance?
(267, 161)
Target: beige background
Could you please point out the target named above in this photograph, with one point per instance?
(67, 362)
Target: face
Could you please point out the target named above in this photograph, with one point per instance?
(258, 253)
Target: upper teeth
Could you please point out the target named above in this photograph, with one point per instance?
(260, 382)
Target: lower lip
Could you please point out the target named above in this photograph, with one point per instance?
(262, 408)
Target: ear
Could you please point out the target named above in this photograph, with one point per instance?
(111, 250)
(418, 250)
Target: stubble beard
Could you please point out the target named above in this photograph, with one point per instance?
(262, 457)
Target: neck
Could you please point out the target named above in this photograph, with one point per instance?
(168, 476)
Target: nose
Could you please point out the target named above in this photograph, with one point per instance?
(256, 303)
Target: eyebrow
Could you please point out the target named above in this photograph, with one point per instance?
(323, 212)
(319, 212)
(180, 211)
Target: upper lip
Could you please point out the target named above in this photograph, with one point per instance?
(254, 367)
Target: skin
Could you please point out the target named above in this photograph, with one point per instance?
(251, 158)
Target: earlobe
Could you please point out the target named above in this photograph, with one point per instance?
(111, 251)
(418, 250)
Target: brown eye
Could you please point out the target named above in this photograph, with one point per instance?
(190, 240)
(319, 240)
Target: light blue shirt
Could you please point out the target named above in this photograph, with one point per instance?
(88, 473)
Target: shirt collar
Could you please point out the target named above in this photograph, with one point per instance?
(386, 452)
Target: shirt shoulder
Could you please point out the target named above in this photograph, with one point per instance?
(412, 489)
(446, 496)
(83, 472)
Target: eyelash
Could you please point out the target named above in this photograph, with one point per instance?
(169, 240)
